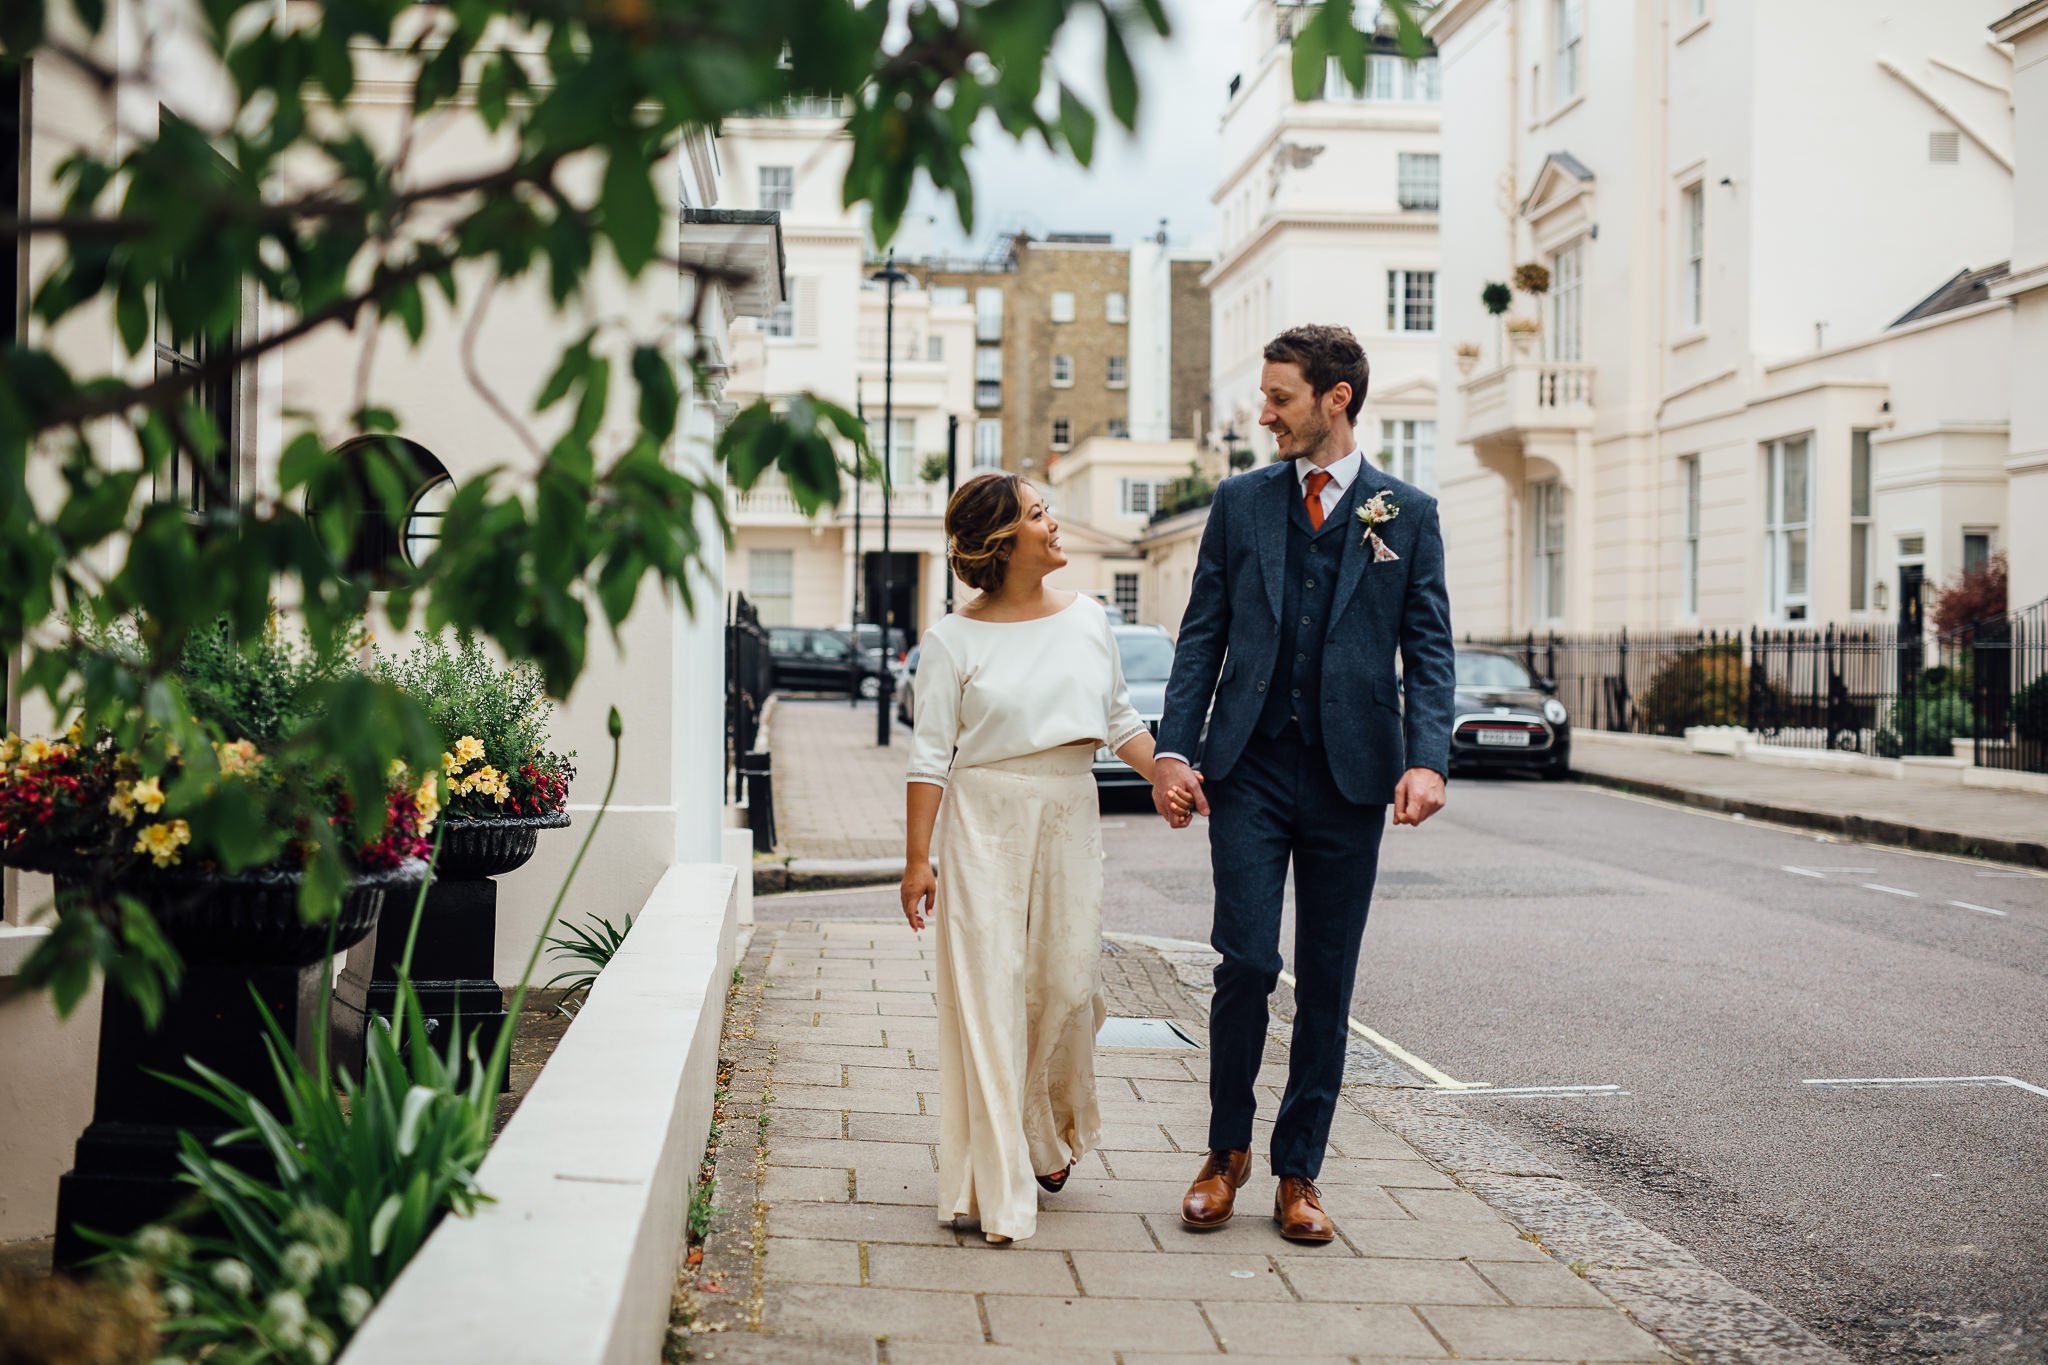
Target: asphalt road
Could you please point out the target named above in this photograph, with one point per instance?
(1537, 935)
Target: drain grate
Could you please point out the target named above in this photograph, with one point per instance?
(1119, 1032)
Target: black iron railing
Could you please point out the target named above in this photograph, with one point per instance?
(1857, 689)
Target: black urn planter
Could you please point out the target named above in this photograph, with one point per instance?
(242, 939)
(454, 969)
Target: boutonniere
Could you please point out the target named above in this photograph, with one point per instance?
(1376, 513)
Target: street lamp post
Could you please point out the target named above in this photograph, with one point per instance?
(860, 410)
(889, 277)
(952, 478)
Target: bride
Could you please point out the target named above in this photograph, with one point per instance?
(1015, 692)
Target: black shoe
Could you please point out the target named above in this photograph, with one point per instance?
(1057, 1181)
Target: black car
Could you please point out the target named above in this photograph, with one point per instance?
(814, 659)
(1507, 717)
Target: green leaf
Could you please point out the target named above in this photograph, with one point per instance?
(632, 212)
(1077, 122)
(658, 397)
(1120, 72)
(570, 369)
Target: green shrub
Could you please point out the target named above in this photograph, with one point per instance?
(493, 718)
(2030, 711)
(263, 690)
(1709, 686)
(1938, 712)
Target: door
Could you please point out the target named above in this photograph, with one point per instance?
(900, 605)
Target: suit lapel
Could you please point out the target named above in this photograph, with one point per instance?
(1357, 554)
(1272, 528)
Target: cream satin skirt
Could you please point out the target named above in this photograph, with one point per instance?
(1019, 990)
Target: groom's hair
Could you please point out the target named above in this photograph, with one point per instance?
(982, 521)
(1328, 356)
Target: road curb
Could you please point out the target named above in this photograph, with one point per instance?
(825, 874)
(1861, 828)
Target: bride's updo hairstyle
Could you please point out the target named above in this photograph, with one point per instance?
(982, 522)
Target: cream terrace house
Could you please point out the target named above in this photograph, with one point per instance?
(1755, 375)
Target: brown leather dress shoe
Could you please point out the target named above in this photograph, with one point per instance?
(1213, 1197)
(1298, 1209)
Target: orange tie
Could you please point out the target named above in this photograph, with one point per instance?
(1317, 480)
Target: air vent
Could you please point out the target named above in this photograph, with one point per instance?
(1912, 545)
(1944, 146)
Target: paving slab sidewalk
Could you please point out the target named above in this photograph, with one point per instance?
(826, 1245)
(2010, 826)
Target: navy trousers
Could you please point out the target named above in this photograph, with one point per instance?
(1280, 803)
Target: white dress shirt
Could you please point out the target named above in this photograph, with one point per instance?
(1341, 474)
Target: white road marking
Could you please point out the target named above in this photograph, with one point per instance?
(1980, 909)
(1537, 1091)
(1804, 872)
(1891, 890)
(2012, 876)
(1922, 1083)
(1441, 1080)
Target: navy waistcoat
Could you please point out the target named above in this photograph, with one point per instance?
(1306, 599)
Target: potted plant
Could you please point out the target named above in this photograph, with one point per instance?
(1522, 336)
(501, 786)
(1532, 277)
(219, 918)
(1468, 356)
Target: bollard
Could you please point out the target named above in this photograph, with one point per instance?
(756, 768)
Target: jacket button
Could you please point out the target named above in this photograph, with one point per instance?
(1297, 691)
(1304, 620)
(1308, 583)
(1262, 687)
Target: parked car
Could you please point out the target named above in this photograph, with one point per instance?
(814, 659)
(1507, 717)
(1147, 654)
(906, 687)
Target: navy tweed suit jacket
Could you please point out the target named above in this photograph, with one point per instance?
(1230, 637)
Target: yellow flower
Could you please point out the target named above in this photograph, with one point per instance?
(35, 751)
(468, 749)
(427, 798)
(10, 747)
(123, 805)
(449, 763)
(148, 795)
(75, 732)
(162, 842)
(236, 758)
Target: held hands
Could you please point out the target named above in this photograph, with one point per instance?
(1177, 793)
(920, 892)
(1419, 796)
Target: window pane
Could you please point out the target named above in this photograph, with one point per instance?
(1976, 549)
(1859, 567)
(1795, 482)
(1795, 563)
(1859, 473)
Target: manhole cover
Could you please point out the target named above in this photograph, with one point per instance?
(1116, 1032)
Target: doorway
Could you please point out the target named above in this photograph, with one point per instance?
(899, 609)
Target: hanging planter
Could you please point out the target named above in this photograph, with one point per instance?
(1532, 277)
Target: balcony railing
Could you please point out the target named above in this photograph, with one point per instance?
(1528, 395)
(771, 500)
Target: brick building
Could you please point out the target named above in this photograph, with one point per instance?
(1078, 338)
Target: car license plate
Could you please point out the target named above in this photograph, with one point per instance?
(1505, 739)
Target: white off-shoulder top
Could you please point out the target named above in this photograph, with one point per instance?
(991, 690)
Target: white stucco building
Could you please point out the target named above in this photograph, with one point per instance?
(1773, 377)
(1327, 212)
(828, 339)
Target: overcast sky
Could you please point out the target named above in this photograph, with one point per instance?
(1167, 169)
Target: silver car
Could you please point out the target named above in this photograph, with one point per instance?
(1147, 654)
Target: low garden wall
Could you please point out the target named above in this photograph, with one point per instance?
(575, 1260)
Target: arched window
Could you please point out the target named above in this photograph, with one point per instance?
(388, 536)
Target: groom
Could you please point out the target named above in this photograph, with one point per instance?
(1313, 572)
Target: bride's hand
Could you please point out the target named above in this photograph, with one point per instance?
(920, 892)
